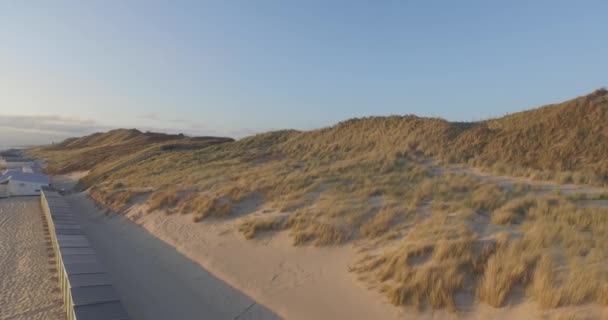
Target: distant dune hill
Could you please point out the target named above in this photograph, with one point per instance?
(115, 137)
(565, 137)
(120, 146)
(569, 136)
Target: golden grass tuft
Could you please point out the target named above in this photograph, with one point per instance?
(552, 287)
(382, 222)
(429, 266)
(251, 227)
(512, 211)
(122, 199)
(487, 198)
(162, 200)
(322, 234)
(509, 266)
(206, 206)
(497, 266)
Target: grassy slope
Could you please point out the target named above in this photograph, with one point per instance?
(103, 153)
(566, 136)
(370, 180)
(563, 137)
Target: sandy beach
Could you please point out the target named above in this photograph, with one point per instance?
(28, 287)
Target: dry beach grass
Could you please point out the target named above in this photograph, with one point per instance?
(428, 236)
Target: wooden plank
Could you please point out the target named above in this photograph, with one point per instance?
(68, 231)
(83, 268)
(86, 287)
(73, 243)
(79, 258)
(65, 251)
(89, 279)
(101, 311)
(93, 295)
(71, 237)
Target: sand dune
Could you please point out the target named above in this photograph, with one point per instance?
(301, 283)
(28, 289)
(304, 282)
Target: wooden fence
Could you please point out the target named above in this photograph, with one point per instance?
(86, 287)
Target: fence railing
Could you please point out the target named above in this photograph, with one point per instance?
(86, 287)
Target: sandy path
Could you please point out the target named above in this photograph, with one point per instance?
(539, 186)
(28, 289)
(155, 281)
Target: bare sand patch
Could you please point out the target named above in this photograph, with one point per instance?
(28, 289)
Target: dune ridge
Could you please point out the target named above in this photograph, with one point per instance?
(428, 231)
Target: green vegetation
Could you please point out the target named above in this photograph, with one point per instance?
(429, 233)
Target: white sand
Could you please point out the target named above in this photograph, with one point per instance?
(301, 283)
(29, 290)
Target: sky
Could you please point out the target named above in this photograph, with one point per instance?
(235, 68)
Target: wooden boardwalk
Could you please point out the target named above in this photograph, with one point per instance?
(86, 287)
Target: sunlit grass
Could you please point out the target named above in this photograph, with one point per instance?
(377, 180)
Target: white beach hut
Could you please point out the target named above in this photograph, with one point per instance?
(15, 162)
(15, 183)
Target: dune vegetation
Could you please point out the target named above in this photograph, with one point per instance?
(426, 233)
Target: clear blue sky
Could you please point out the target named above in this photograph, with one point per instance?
(237, 67)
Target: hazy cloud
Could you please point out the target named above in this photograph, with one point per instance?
(20, 129)
(244, 132)
(49, 124)
(191, 127)
(159, 118)
(42, 129)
